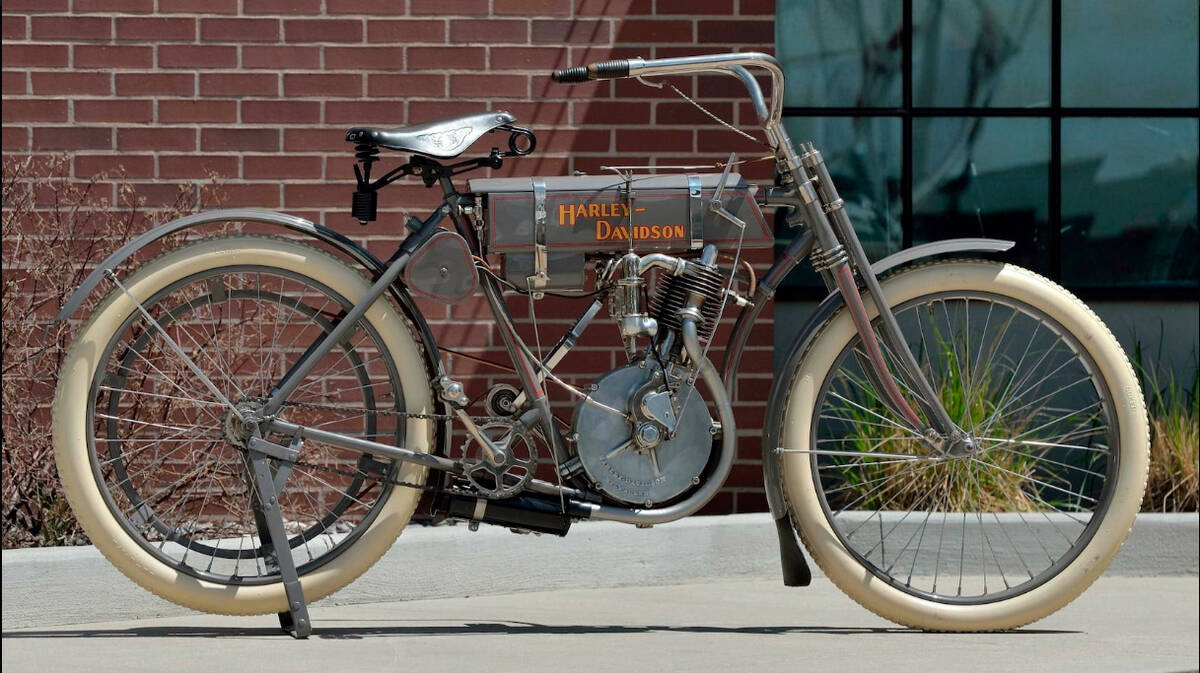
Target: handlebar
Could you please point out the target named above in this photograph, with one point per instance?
(729, 64)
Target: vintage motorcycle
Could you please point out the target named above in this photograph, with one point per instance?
(246, 423)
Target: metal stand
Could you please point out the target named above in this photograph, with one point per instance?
(270, 531)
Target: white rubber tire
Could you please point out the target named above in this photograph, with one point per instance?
(71, 426)
(891, 603)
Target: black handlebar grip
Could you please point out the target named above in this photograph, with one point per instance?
(614, 69)
(571, 75)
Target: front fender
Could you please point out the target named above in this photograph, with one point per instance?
(808, 333)
(342, 244)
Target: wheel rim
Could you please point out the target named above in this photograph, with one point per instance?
(969, 524)
(158, 446)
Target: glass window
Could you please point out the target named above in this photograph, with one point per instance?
(1117, 53)
(1129, 201)
(981, 54)
(863, 155)
(983, 177)
(840, 53)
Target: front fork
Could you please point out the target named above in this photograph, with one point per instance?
(840, 254)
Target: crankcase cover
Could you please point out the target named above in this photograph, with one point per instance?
(637, 463)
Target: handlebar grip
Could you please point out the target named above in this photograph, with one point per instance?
(614, 69)
(570, 75)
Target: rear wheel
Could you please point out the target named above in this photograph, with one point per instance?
(1004, 527)
(154, 463)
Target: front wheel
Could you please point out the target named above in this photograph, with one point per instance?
(154, 463)
(1000, 529)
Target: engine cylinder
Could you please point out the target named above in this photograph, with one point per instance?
(673, 295)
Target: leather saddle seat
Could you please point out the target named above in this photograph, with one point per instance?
(441, 139)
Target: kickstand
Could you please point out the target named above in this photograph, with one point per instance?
(270, 531)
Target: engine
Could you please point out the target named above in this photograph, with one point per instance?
(644, 433)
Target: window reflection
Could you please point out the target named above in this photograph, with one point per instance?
(981, 54)
(1117, 53)
(983, 177)
(1129, 201)
(840, 53)
(863, 156)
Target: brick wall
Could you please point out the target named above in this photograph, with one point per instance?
(261, 92)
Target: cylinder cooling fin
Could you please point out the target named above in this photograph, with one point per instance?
(673, 294)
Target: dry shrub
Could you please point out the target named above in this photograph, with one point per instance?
(55, 230)
(1173, 484)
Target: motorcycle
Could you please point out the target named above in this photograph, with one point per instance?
(245, 423)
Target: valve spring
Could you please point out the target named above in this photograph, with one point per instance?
(667, 302)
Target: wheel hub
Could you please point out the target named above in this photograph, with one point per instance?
(238, 431)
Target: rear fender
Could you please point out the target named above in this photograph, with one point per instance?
(343, 245)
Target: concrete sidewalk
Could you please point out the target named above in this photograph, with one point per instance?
(1121, 624)
(47, 587)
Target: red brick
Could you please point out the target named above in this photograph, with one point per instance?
(124, 110)
(300, 84)
(197, 165)
(506, 86)
(766, 7)
(317, 196)
(489, 31)
(567, 140)
(406, 85)
(255, 194)
(527, 58)
(156, 28)
(189, 7)
(449, 7)
(281, 6)
(239, 139)
(611, 112)
(196, 56)
(32, 6)
(156, 139)
(74, 83)
(280, 58)
(725, 142)
(323, 30)
(14, 83)
(532, 7)
(551, 113)
(445, 58)
(363, 7)
(564, 31)
(114, 6)
(686, 113)
(694, 7)
(656, 141)
(43, 55)
(612, 7)
(71, 138)
(280, 112)
(428, 110)
(15, 138)
(364, 58)
(34, 110)
(206, 110)
(168, 84)
(365, 112)
(653, 31)
(239, 30)
(130, 165)
(239, 84)
(293, 166)
(406, 31)
(14, 27)
(72, 28)
(736, 32)
(314, 139)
